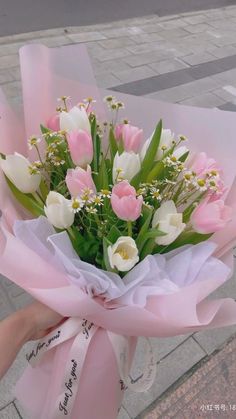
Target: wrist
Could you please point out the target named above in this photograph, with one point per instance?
(26, 324)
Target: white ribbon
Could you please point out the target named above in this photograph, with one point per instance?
(143, 383)
(84, 332)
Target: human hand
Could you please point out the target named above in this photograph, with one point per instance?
(40, 320)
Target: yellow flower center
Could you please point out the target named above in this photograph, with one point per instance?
(201, 182)
(76, 204)
(123, 253)
(105, 192)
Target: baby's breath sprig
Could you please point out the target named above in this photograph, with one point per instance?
(33, 141)
(35, 168)
(105, 193)
(114, 105)
(87, 196)
(77, 205)
(64, 100)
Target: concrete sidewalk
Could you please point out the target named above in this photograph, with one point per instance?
(209, 392)
(188, 58)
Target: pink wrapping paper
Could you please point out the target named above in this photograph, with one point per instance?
(66, 71)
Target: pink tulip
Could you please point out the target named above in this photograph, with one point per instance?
(125, 204)
(132, 136)
(220, 192)
(81, 147)
(118, 131)
(79, 181)
(210, 217)
(202, 164)
(53, 122)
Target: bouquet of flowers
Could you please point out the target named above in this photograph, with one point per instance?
(122, 235)
(122, 202)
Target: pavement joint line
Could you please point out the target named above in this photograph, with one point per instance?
(204, 350)
(173, 386)
(185, 377)
(21, 417)
(173, 350)
(4, 407)
(180, 398)
(179, 77)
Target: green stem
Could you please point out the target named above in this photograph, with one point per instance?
(40, 197)
(71, 233)
(37, 198)
(129, 226)
(40, 158)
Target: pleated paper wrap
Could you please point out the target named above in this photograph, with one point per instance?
(162, 296)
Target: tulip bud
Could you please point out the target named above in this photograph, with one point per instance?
(131, 136)
(123, 255)
(79, 180)
(53, 122)
(125, 204)
(169, 221)
(165, 141)
(81, 147)
(125, 166)
(58, 210)
(209, 217)
(16, 169)
(202, 164)
(75, 119)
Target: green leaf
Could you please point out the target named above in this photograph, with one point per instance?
(26, 200)
(147, 248)
(44, 130)
(113, 144)
(113, 234)
(188, 237)
(153, 233)
(106, 244)
(109, 170)
(96, 145)
(101, 180)
(156, 171)
(151, 152)
(184, 157)
(136, 180)
(146, 220)
(176, 195)
(86, 246)
(3, 156)
(44, 189)
(121, 147)
(188, 212)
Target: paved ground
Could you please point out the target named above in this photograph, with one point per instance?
(187, 58)
(36, 15)
(209, 392)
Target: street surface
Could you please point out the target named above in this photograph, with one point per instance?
(30, 15)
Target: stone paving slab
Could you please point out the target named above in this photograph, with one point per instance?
(208, 394)
(9, 412)
(169, 370)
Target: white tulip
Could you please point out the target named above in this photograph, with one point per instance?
(75, 119)
(16, 168)
(166, 140)
(58, 210)
(123, 255)
(180, 151)
(169, 221)
(126, 166)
